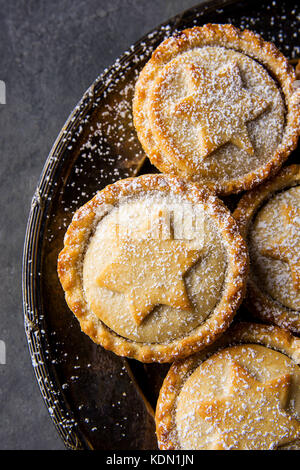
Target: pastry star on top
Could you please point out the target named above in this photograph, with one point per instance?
(150, 272)
(220, 107)
(251, 415)
(281, 249)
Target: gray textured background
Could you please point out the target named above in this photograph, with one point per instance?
(51, 51)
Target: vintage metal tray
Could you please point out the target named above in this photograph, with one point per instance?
(96, 399)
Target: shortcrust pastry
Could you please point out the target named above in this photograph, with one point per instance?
(269, 218)
(153, 267)
(242, 393)
(217, 105)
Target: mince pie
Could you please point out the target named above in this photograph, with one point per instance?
(242, 393)
(269, 218)
(217, 105)
(153, 267)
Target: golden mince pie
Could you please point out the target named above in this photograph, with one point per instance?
(153, 267)
(217, 105)
(269, 218)
(242, 393)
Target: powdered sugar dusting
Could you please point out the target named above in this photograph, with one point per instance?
(240, 398)
(78, 166)
(204, 281)
(224, 128)
(275, 248)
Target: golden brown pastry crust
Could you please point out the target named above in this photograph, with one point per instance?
(257, 301)
(250, 44)
(240, 333)
(75, 243)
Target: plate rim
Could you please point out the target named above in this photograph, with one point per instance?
(61, 414)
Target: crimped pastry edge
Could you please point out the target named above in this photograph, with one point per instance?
(259, 303)
(240, 333)
(254, 46)
(77, 237)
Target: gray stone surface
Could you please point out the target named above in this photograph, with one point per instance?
(50, 53)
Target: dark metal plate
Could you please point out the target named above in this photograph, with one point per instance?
(96, 399)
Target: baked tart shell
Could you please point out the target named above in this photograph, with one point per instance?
(77, 239)
(269, 336)
(253, 46)
(259, 303)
